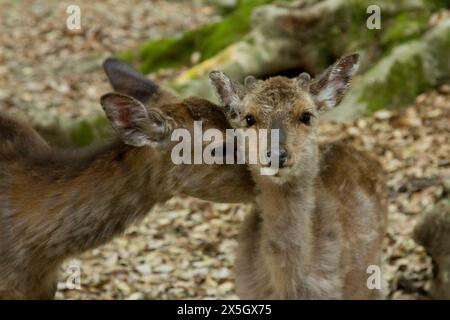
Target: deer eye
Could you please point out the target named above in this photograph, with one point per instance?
(250, 120)
(306, 118)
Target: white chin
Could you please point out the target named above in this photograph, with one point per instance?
(282, 175)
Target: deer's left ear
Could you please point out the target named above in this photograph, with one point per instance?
(330, 87)
(126, 80)
(135, 124)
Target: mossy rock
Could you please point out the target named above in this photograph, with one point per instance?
(433, 232)
(275, 43)
(398, 78)
(207, 40)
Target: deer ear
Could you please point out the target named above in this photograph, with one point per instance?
(126, 80)
(226, 90)
(136, 125)
(329, 88)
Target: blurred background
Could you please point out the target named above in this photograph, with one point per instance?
(398, 108)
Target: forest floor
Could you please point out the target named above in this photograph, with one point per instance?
(185, 248)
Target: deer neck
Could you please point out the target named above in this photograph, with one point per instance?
(286, 211)
(82, 201)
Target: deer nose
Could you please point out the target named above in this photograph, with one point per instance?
(281, 154)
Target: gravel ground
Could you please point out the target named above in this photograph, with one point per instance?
(47, 69)
(185, 248)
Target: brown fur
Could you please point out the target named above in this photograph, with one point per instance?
(318, 223)
(291, 251)
(56, 203)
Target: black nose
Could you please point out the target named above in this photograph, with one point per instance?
(282, 155)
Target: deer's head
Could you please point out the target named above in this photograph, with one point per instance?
(142, 120)
(292, 106)
(145, 117)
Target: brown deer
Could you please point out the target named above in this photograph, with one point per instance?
(56, 203)
(318, 223)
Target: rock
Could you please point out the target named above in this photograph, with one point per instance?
(208, 40)
(297, 36)
(433, 232)
(398, 78)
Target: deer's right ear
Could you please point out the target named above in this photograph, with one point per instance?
(329, 88)
(226, 90)
(124, 79)
(136, 125)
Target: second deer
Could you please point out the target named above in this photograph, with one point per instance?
(55, 203)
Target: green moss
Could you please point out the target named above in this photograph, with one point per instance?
(85, 131)
(354, 14)
(404, 82)
(438, 4)
(397, 27)
(440, 51)
(82, 134)
(404, 27)
(348, 31)
(207, 40)
(414, 67)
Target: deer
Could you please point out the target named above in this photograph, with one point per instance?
(318, 221)
(57, 203)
